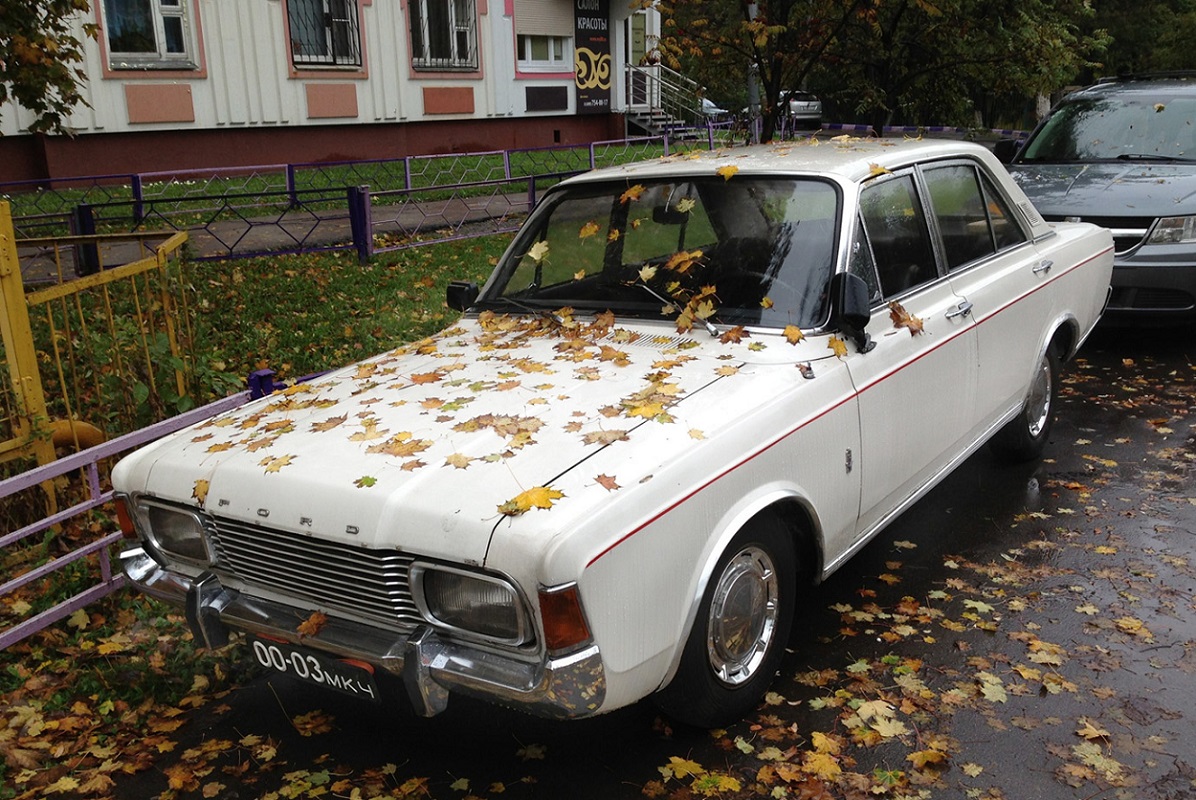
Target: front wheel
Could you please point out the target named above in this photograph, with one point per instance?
(1024, 437)
(742, 626)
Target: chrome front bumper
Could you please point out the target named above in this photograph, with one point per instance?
(562, 687)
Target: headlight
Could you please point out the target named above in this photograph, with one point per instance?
(470, 602)
(1173, 230)
(176, 532)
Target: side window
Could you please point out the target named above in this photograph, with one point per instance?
(859, 262)
(1006, 230)
(324, 33)
(149, 34)
(897, 231)
(959, 211)
(444, 34)
(972, 217)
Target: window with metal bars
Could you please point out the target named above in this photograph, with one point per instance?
(324, 33)
(443, 35)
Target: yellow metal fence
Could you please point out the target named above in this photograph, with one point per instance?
(87, 358)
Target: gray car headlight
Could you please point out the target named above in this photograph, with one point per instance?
(470, 602)
(1173, 230)
(175, 532)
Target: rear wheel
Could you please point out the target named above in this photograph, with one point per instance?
(1024, 437)
(739, 635)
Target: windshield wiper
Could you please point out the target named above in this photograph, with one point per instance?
(1151, 157)
(522, 306)
(710, 328)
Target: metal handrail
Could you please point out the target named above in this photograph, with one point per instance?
(668, 90)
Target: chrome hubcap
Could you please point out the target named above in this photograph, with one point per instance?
(743, 616)
(1038, 404)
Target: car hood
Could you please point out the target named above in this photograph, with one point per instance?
(1108, 189)
(428, 447)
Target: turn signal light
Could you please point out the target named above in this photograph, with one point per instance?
(564, 622)
(124, 517)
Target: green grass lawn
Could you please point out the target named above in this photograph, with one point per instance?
(301, 314)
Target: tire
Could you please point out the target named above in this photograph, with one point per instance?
(741, 629)
(1024, 437)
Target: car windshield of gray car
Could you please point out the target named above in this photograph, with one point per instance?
(743, 251)
(1117, 127)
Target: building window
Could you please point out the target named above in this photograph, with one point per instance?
(545, 53)
(443, 34)
(147, 34)
(324, 33)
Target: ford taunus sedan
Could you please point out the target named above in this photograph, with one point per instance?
(690, 386)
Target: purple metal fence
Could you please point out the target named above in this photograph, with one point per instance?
(89, 462)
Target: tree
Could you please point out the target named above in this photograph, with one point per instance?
(720, 42)
(39, 56)
(914, 61)
(885, 61)
(1153, 36)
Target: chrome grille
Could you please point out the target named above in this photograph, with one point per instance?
(360, 582)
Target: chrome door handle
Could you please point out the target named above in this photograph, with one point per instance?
(1043, 267)
(963, 310)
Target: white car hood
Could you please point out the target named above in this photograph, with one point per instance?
(427, 448)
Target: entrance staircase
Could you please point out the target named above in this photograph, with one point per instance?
(662, 101)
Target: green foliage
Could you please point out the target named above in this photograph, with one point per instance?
(39, 56)
(888, 61)
(1146, 37)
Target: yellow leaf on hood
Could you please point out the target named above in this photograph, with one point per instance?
(535, 497)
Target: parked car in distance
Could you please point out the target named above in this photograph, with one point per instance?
(711, 110)
(690, 386)
(805, 109)
(1122, 154)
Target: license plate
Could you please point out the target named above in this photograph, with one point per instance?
(351, 678)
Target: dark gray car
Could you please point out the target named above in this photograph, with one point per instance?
(1122, 154)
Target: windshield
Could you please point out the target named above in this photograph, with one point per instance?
(1127, 127)
(744, 251)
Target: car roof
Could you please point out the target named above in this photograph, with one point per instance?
(1144, 84)
(848, 158)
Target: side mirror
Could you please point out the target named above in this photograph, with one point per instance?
(1006, 149)
(460, 295)
(850, 310)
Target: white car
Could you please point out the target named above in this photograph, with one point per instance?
(690, 385)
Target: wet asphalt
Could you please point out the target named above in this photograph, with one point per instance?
(1046, 610)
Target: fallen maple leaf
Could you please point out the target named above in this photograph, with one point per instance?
(588, 230)
(329, 424)
(727, 172)
(632, 193)
(821, 765)
(457, 461)
(200, 491)
(903, 319)
(312, 723)
(837, 346)
(275, 464)
(604, 437)
(538, 251)
(535, 497)
(607, 482)
(734, 335)
(313, 624)
(921, 759)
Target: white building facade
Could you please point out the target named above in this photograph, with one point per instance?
(212, 83)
